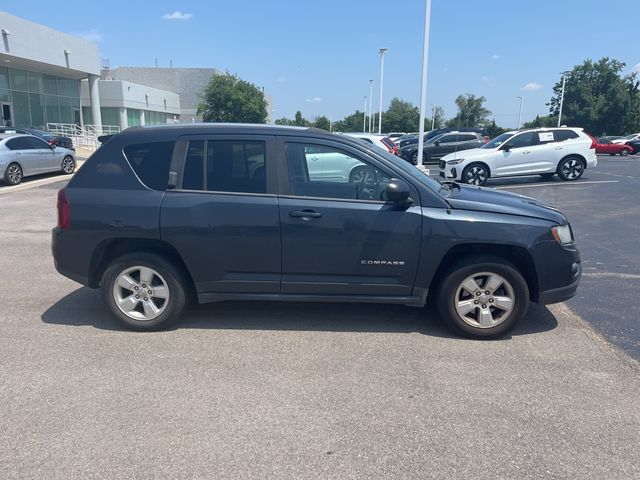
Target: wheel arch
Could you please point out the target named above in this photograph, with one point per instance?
(517, 255)
(109, 250)
(481, 163)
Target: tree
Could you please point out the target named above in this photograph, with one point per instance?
(401, 116)
(300, 121)
(471, 112)
(493, 130)
(227, 98)
(350, 123)
(285, 121)
(542, 121)
(322, 122)
(598, 99)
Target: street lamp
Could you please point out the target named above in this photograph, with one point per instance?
(382, 51)
(433, 116)
(423, 92)
(520, 114)
(564, 79)
(364, 116)
(370, 103)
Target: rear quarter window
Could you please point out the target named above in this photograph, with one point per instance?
(562, 135)
(151, 162)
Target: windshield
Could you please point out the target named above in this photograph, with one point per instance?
(499, 140)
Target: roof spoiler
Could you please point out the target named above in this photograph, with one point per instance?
(104, 138)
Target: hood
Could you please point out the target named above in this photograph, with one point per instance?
(490, 200)
(471, 153)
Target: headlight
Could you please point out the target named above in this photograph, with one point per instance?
(455, 162)
(563, 234)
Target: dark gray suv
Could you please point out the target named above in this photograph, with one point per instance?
(160, 216)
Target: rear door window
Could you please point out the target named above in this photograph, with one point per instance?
(562, 135)
(151, 162)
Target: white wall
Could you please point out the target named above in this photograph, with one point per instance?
(115, 93)
(32, 42)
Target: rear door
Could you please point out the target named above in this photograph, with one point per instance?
(25, 155)
(444, 146)
(340, 237)
(223, 214)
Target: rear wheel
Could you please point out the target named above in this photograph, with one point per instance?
(570, 169)
(144, 291)
(68, 165)
(483, 298)
(13, 174)
(475, 174)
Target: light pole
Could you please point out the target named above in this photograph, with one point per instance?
(382, 52)
(520, 114)
(423, 92)
(370, 103)
(433, 117)
(364, 116)
(564, 79)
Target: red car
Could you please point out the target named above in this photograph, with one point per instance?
(604, 145)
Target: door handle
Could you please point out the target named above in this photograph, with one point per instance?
(305, 214)
(559, 148)
(526, 152)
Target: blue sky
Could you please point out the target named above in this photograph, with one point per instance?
(319, 56)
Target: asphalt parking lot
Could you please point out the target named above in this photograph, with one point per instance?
(270, 390)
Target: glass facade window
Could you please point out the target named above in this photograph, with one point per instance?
(109, 116)
(38, 99)
(133, 117)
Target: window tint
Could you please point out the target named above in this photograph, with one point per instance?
(449, 139)
(562, 135)
(467, 138)
(226, 165)
(319, 171)
(151, 162)
(193, 176)
(366, 139)
(523, 140)
(33, 143)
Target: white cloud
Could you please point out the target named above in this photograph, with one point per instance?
(532, 86)
(485, 79)
(314, 99)
(92, 35)
(281, 79)
(177, 15)
(495, 56)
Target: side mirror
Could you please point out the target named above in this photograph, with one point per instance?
(398, 191)
(52, 146)
(507, 147)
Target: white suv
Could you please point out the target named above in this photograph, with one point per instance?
(541, 151)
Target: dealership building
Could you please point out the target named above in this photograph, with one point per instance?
(50, 79)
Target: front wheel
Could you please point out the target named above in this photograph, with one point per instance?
(570, 169)
(483, 298)
(624, 152)
(475, 174)
(13, 174)
(68, 165)
(144, 291)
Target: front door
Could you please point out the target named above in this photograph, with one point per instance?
(223, 215)
(339, 235)
(519, 158)
(7, 117)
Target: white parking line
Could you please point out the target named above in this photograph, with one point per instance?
(557, 184)
(624, 276)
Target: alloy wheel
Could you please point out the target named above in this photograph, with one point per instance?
(484, 300)
(141, 293)
(68, 165)
(14, 174)
(572, 169)
(476, 176)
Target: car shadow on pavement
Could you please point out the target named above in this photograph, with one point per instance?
(84, 307)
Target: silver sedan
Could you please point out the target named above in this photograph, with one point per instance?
(25, 155)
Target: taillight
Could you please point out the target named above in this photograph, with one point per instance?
(593, 141)
(64, 210)
(486, 139)
(395, 150)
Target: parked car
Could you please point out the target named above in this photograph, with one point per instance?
(379, 141)
(161, 215)
(566, 152)
(635, 145)
(394, 135)
(441, 145)
(627, 138)
(604, 145)
(25, 155)
(439, 131)
(51, 139)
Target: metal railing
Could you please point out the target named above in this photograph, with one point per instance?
(86, 137)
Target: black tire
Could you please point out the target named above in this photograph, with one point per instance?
(13, 174)
(624, 152)
(450, 292)
(68, 165)
(167, 272)
(414, 158)
(475, 174)
(570, 168)
(547, 176)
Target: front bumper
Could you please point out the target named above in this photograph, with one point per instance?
(559, 271)
(450, 172)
